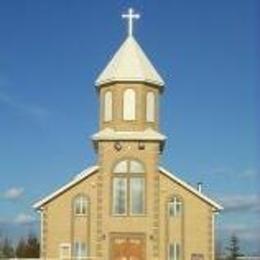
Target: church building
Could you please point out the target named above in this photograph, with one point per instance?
(128, 206)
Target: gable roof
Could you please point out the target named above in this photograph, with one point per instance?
(130, 64)
(188, 187)
(87, 172)
(79, 177)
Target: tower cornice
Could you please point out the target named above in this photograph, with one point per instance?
(148, 135)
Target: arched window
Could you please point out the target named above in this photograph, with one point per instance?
(108, 106)
(129, 106)
(175, 207)
(128, 180)
(80, 205)
(150, 107)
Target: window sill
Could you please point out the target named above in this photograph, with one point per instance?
(129, 215)
(80, 215)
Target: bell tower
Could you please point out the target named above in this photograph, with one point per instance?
(128, 144)
(129, 89)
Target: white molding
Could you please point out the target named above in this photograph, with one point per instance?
(109, 134)
(42, 227)
(213, 237)
(216, 206)
(84, 174)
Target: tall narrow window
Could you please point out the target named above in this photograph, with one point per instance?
(128, 181)
(175, 207)
(80, 205)
(129, 105)
(137, 195)
(174, 252)
(108, 106)
(119, 196)
(150, 107)
(79, 250)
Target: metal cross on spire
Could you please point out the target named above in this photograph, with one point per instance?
(130, 16)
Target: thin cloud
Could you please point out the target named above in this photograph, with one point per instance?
(2, 221)
(248, 173)
(13, 193)
(28, 109)
(24, 219)
(242, 230)
(235, 203)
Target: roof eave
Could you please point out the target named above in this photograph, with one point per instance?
(74, 181)
(102, 83)
(216, 206)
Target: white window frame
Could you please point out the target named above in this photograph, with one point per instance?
(127, 175)
(131, 197)
(61, 247)
(114, 197)
(80, 256)
(150, 107)
(121, 167)
(176, 247)
(108, 106)
(129, 105)
(83, 202)
(175, 204)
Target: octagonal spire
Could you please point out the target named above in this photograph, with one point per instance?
(130, 64)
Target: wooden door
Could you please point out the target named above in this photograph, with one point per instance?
(128, 247)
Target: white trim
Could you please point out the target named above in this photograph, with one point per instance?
(76, 180)
(175, 203)
(41, 238)
(175, 246)
(213, 237)
(82, 202)
(79, 254)
(191, 189)
(110, 134)
(129, 79)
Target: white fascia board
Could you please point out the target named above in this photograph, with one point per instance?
(110, 134)
(74, 181)
(217, 206)
(99, 83)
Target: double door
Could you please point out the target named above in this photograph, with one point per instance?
(127, 247)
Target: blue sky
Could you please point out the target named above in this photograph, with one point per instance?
(50, 55)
